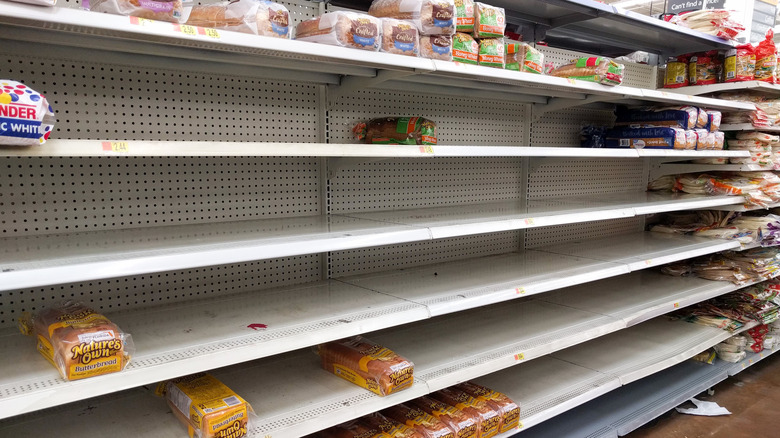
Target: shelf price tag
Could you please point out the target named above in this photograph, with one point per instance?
(141, 21)
(571, 81)
(520, 291)
(648, 262)
(519, 357)
(185, 29)
(676, 305)
(519, 425)
(120, 147)
(426, 149)
(529, 221)
(211, 33)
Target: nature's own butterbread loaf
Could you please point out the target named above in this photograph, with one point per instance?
(78, 341)
(489, 418)
(389, 427)
(432, 17)
(399, 37)
(436, 47)
(206, 406)
(397, 130)
(349, 29)
(464, 424)
(509, 410)
(162, 10)
(425, 423)
(367, 364)
(249, 16)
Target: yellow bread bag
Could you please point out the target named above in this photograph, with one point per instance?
(207, 407)
(78, 341)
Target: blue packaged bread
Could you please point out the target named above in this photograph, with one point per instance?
(651, 137)
(686, 117)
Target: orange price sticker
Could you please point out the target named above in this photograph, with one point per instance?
(520, 291)
(140, 21)
(121, 147)
(519, 357)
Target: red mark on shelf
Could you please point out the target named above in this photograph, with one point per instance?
(257, 326)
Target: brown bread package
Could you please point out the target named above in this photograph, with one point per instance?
(351, 429)
(432, 17)
(509, 410)
(436, 47)
(397, 130)
(489, 418)
(78, 341)
(464, 424)
(399, 37)
(389, 427)
(347, 29)
(425, 423)
(367, 364)
(248, 16)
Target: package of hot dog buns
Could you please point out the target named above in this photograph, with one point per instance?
(78, 341)
(367, 364)
(26, 118)
(207, 407)
(593, 69)
(259, 17)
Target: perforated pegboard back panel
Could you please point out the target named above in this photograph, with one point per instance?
(562, 128)
(636, 75)
(152, 290)
(400, 184)
(43, 195)
(558, 234)
(551, 177)
(460, 121)
(119, 102)
(391, 257)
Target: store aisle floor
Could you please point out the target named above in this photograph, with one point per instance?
(752, 396)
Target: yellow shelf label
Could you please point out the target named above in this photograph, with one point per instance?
(140, 21)
(186, 29)
(211, 33)
(520, 291)
(426, 149)
(529, 221)
(519, 356)
(121, 147)
(676, 305)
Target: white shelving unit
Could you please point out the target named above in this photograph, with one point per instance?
(205, 193)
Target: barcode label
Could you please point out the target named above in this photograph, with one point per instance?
(179, 399)
(231, 401)
(731, 75)
(680, 79)
(88, 338)
(625, 142)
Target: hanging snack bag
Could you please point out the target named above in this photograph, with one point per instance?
(491, 52)
(766, 59)
(367, 364)
(207, 407)
(174, 11)
(432, 17)
(399, 37)
(703, 68)
(78, 341)
(676, 72)
(26, 118)
(489, 21)
(523, 57)
(436, 47)
(593, 69)
(348, 29)
(397, 130)
(740, 64)
(248, 16)
(464, 13)
(465, 49)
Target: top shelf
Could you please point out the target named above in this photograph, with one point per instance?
(588, 26)
(760, 86)
(23, 27)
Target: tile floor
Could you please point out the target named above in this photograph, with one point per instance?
(752, 396)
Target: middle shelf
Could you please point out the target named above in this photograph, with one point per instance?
(42, 260)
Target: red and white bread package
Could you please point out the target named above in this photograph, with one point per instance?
(26, 118)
